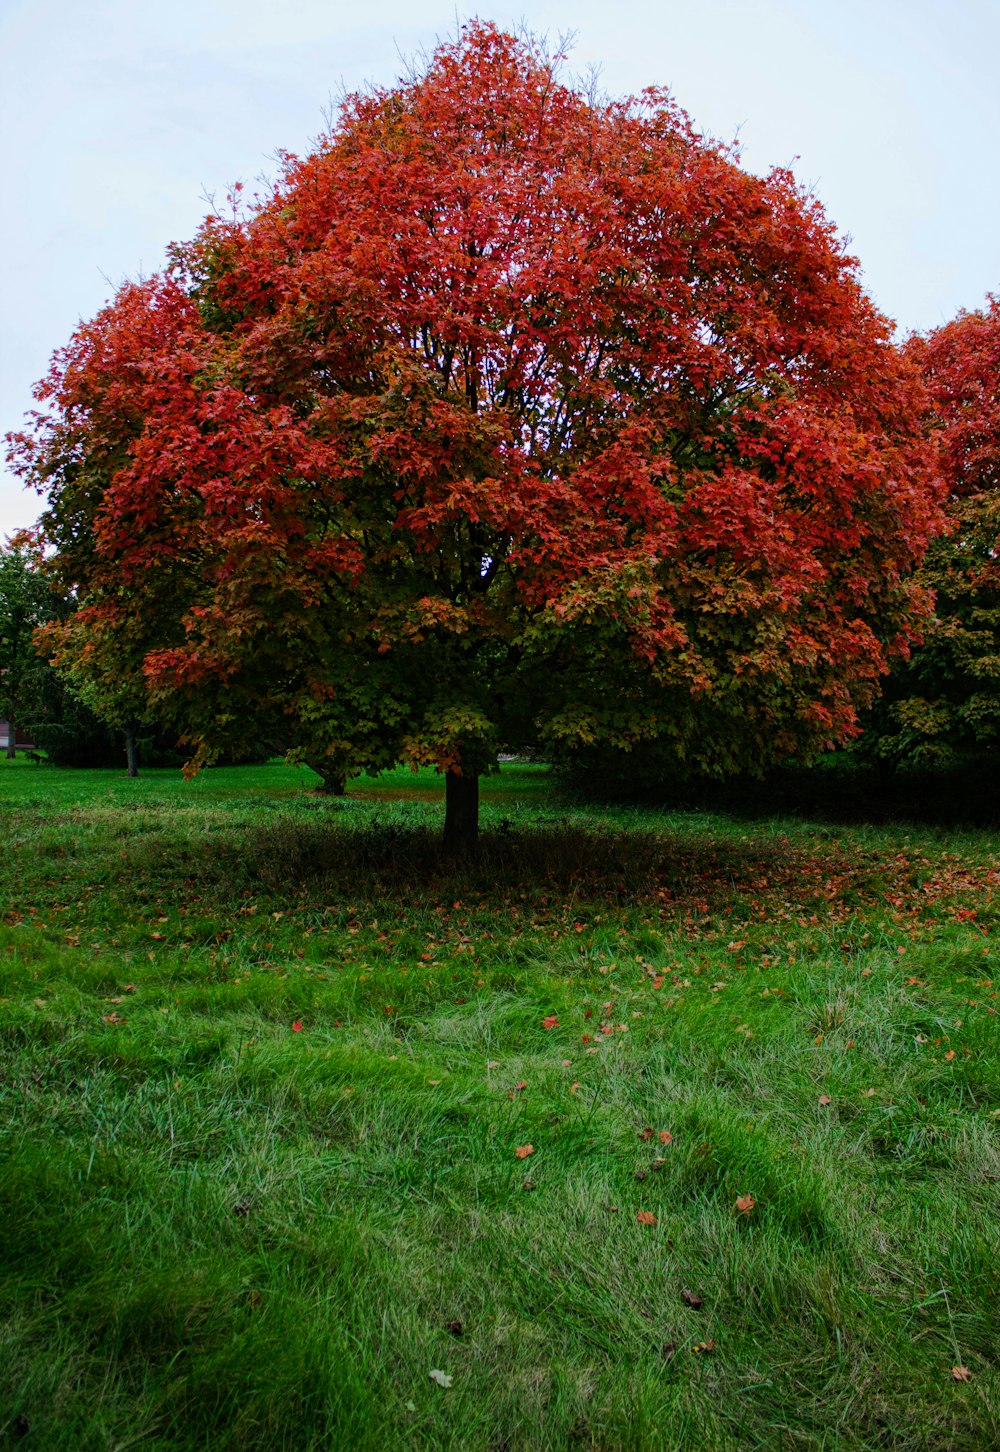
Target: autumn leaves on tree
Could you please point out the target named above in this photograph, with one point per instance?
(511, 416)
(945, 702)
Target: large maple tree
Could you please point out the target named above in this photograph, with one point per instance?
(510, 415)
(943, 704)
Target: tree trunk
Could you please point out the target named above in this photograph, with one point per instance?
(333, 779)
(130, 756)
(11, 748)
(461, 816)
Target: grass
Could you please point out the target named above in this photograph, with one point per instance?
(266, 1064)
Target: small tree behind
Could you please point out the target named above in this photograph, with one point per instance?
(944, 703)
(25, 603)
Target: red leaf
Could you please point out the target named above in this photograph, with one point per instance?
(297, 1026)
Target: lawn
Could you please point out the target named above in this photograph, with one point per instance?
(654, 1130)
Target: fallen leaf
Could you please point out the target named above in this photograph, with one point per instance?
(700, 1346)
(666, 1137)
(455, 1327)
(744, 1204)
(961, 1373)
(566, 1063)
(646, 1217)
(441, 1377)
(551, 1022)
(524, 1150)
(950, 1055)
(690, 1298)
(825, 1099)
(668, 1350)
(297, 1026)
(646, 1133)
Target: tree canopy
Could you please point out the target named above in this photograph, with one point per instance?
(511, 415)
(25, 602)
(945, 702)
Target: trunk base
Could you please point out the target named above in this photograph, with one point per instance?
(333, 781)
(131, 756)
(461, 817)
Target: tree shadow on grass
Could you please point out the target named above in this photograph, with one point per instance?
(683, 872)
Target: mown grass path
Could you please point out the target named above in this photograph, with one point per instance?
(652, 1131)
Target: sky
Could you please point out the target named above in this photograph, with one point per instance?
(121, 119)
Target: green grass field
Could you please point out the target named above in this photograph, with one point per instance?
(651, 1131)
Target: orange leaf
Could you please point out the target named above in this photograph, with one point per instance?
(666, 1137)
(297, 1026)
(961, 1373)
(524, 1150)
(551, 1022)
(646, 1217)
(646, 1133)
(744, 1204)
(825, 1099)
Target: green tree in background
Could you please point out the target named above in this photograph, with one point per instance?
(25, 603)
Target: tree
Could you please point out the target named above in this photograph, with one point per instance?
(511, 415)
(944, 703)
(25, 602)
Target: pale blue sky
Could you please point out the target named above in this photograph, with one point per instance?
(119, 116)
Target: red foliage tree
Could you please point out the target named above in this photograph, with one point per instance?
(511, 415)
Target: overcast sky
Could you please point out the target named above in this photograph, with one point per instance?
(119, 117)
